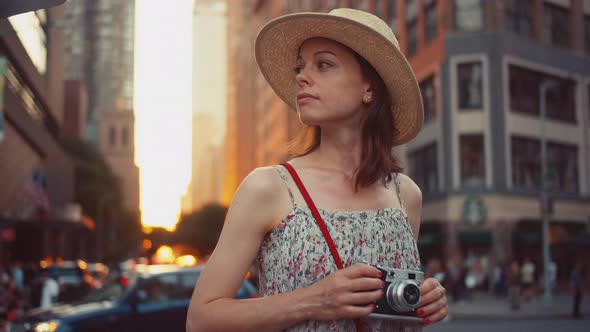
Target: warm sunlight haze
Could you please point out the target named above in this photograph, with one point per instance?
(163, 85)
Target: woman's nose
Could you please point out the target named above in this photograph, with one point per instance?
(302, 77)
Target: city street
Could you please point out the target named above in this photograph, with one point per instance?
(499, 325)
(489, 313)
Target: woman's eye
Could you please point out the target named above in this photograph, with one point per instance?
(324, 65)
(297, 69)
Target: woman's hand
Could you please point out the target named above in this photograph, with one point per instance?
(433, 305)
(347, 293)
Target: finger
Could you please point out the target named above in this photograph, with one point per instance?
(361, 298)
(428, 285)
(356, 311)
(366, 284)
(437, 316)
(361, 270)
(432, 308)
(431, 294)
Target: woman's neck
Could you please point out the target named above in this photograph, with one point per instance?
(340, 150)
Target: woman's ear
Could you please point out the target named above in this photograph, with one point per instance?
(368, 95)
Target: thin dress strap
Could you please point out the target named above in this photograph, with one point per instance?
(285, 178)
(396, 179)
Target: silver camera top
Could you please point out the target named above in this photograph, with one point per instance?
(401, 274)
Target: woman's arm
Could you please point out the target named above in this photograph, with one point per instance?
(252, 214)
(433, 304)
(412, 197)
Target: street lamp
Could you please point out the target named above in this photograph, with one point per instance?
(545, 86)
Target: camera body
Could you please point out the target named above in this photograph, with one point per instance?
(402, 294)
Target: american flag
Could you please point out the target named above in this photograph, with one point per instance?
(36, 187)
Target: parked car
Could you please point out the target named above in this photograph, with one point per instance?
(151, 298)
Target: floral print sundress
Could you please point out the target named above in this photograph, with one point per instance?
(295, 254)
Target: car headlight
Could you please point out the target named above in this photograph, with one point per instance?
(50, 326)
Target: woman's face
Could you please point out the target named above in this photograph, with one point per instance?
(330, 83)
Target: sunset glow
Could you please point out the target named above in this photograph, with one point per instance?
(163, 104)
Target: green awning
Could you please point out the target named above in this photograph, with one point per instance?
(475, 237)
(429, 239)
(527, 237)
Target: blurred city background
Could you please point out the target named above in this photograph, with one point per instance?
(126, 127)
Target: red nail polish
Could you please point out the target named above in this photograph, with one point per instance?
(427, 321)
(420, 312)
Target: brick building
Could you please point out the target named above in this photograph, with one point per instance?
(477, 160)
(37, 212)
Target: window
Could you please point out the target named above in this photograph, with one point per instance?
(470, 85)
(472, 160)
(378, 7)
(524, 85)
(468, 15)
(363, 5)
(112, 137)
(424, 168)
(428, 98)
(562, 168)
(125, 136)
(519, 17)
(411, 27)
(391, 15)
(555, 25)
(526, 166)
(562, 165)
(587, 34)
(431, 15)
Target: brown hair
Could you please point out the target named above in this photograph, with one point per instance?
(377, 131)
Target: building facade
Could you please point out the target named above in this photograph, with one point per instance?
(209, 101)
(99, 51)
(117, 145)
(36, 176)
(477, 160)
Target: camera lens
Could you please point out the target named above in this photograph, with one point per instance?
(403, 295)
(411, 294)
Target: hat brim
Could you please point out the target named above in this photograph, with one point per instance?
(277, 47)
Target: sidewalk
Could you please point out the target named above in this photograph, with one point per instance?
(485, 306)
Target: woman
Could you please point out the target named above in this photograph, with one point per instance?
(355, 91)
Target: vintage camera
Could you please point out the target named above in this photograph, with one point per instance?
(402, 294)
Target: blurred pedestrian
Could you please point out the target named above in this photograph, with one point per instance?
(527, 277)
(576, 286)
(50, 290)
(18, 276)
(352, 87)
(514, 285)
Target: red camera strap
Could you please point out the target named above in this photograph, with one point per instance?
(321, 224)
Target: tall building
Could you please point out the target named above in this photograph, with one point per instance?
(99, 50)
(36, 176)
(477, 160)
(209, 103)
(117, 145)
(99, 42)
(207, 156)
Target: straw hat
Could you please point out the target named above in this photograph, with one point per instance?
(278, 43)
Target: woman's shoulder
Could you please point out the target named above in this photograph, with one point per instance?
(262, 181)
(409, 189)
(259, 197)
